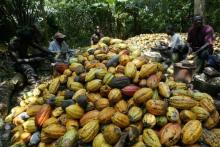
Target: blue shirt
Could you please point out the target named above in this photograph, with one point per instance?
(175, 41)
(56, 48)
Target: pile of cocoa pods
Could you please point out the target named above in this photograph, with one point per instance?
(111, 95)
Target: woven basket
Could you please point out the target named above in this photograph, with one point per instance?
(206, 87)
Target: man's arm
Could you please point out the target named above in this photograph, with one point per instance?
(25, 60)
(209, 35)
(174, 42)
(189, 41)
(91, 40)
(42, 49)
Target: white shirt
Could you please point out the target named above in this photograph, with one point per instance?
(175, 41)
(56, 48)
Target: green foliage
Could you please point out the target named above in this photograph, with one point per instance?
(18, 14)
(117, 18)
(213, 13)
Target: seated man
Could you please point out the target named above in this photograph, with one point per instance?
(200, 40)
(59, 47)
(96, 36)
(18, 49)
(178, 49)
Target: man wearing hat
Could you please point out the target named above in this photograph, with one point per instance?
(96, 36)
(59, 46)
(200, 41)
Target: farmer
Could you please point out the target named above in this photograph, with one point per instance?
(18, 49)
(176, 45)
(200, 40)
(59, 47)
(96, 36)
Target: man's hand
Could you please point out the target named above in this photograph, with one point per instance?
(190, 50)
(38, 59)
(20, 60)
(190, 56)
(26, 60)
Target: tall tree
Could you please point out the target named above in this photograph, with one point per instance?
(199, 7)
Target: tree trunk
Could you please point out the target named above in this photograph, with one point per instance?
(199, 7)
(46, 38)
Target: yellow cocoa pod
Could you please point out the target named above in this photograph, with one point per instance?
(105, 115)
(210, 138)
(50, 121)
(121, 120)
(45, 138)
(32, 110)
(212, 120)
(191, 132)
(90, 75)
(75, 86)
(89, 116)
(207, 104)
(54, 131)
(94, 85)
(121, 106)
(142, 95)
(107, 78)
(57, 112)
(77, 68)
(67, 72)
(135, 114)
(187, 115)
(172, 114)
(150, 138)
(124, 59)
(81, 92)
(88, 132)
(54, 85)
(74, 111)
(112, 134)
(99, 141)
(29, 125)
(70, 123)
(216, 131)
(139, 62)
(201, 113)
(148, 69)
(100, 74)
(149, 120)
(101, 103)
(198, 96)
(136, 77)
(139, 144)
(63, 79)
(43, 86)
(164, 90)
(130, 70)
(25, 136)
(114, 95)
(182, 102)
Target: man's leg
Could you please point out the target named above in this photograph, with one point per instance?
(200, 63)
(175, 57)
(184, 51)
(30, 74)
